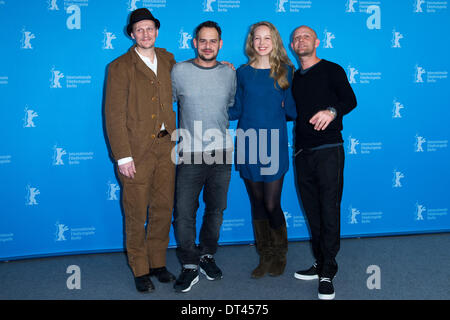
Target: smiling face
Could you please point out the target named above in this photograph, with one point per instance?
(208, 44)
(145, 34)
(262, 41)
(304, 42)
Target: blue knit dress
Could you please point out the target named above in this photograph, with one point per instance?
(261, 150)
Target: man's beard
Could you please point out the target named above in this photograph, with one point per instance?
(202, 57)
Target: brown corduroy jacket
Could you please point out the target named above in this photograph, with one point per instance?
(137, 103)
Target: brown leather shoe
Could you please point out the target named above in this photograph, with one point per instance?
(144, 284)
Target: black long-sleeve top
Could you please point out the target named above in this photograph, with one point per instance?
(323, 85)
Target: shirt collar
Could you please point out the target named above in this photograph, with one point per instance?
(146, 59)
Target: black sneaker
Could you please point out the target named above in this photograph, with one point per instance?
(326, 289)
(309, 274)
(186, 280)
(209, 268)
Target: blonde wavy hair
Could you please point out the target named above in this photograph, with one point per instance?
(279, 60)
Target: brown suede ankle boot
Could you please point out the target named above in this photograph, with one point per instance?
(280, 248)
(263, 241)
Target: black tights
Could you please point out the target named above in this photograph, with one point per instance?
(265, 200)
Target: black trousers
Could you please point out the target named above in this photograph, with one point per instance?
(319, 176)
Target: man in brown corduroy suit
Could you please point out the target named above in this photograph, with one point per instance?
(139, 122)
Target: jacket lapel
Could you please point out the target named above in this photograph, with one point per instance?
(141, 66)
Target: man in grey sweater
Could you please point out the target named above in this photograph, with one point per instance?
(204, 89)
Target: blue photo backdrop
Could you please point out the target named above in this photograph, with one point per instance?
(59, 193)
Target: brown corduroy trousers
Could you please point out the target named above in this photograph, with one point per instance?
(148, 203)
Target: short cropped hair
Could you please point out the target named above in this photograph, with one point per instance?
(208, 24)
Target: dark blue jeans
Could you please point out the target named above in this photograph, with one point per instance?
(320, 182)
(214, 179)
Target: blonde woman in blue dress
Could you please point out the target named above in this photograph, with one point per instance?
(264, 103)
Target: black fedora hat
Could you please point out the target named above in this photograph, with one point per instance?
(139, 15)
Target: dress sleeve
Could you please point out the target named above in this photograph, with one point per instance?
(289, 103)
(234, 112)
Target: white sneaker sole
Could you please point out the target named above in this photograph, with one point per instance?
(304, 277)
(192, 283)
(326, 296)
(208, 277)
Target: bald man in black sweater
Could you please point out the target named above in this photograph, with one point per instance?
(323, 96)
